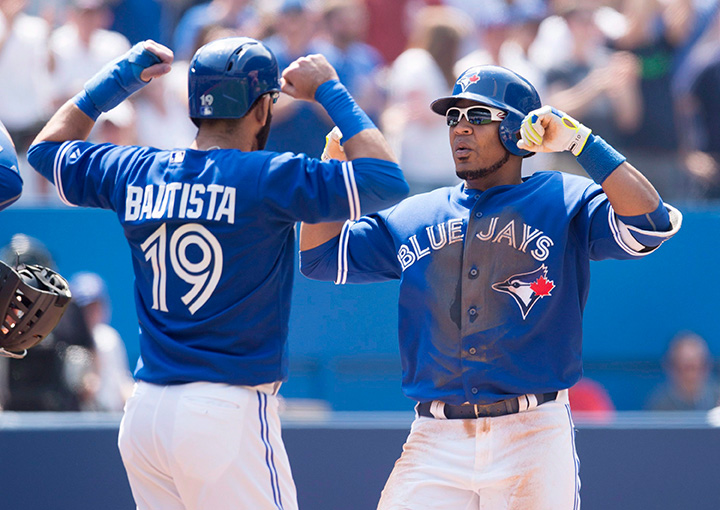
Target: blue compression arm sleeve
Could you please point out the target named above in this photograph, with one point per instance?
(342, 108)
(115, 82)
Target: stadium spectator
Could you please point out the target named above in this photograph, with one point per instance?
(236, 14)
(594, 84)
(114, 381)
(420, 74)
(25, 90)
(295, 27)
(504, 33)
(163, 102)
(390, 24)
(657, 34)
(590, 398)
(145, 19)
(82, 45)
(357, 63)
(118, 126)
(701, 108)
(690, 385)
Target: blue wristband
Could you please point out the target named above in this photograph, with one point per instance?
(115, 82)
(599, 159)
(343, 109)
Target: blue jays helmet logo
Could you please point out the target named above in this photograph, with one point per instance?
(468, 80)
(527, 288)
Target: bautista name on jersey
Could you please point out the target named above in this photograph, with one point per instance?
(180, 200)
(492, 283)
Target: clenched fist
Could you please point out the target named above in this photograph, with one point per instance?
(549, 130)
(302, 78)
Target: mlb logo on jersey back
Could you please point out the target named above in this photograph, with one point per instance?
(177, 157)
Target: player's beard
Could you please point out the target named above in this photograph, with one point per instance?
(262, 136)
(480, 173)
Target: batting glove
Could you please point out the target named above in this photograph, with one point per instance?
(549, 130)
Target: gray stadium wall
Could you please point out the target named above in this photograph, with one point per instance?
(70, 461)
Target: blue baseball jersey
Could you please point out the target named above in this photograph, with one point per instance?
(493, 283)
(211, 235)
(10, 180)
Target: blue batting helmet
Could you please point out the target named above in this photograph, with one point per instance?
(228, 75)
(498, 87)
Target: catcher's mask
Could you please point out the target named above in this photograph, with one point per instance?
(32, 301)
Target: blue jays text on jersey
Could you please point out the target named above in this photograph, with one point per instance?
(437, 236)
(211, 235)
(493, 283)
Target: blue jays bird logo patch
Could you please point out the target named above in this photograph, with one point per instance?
(468, 80)
(527, 288)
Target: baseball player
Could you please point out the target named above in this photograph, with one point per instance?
(10, 180)
(494, 276)
(211, 233)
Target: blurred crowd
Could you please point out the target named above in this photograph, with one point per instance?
(643, 74)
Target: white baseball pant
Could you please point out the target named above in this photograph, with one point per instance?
(205, 446)
(523, 461)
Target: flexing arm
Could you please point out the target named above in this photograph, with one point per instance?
(109, 87)
(313, 78)
(633, 198)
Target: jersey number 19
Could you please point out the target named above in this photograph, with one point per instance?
(203, 275)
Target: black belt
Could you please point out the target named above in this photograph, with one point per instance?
(468, 411)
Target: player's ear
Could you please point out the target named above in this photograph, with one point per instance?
(261, 108)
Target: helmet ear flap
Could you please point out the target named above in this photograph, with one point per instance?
(509, 132)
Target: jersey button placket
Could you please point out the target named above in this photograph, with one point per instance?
(473, 273)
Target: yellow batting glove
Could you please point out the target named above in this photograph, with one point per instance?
(549, 130)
